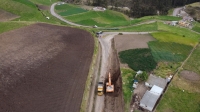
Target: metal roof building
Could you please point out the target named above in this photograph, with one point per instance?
(154, 80)
(149, 100)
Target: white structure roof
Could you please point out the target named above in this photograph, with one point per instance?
(157, 90)
(149, 100)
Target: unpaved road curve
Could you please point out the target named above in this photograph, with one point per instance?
(62, 19)
(176, 11)
(105, 41)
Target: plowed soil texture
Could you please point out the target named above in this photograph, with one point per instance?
(43, 68)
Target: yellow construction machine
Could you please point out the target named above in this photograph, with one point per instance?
(109, 86)
(100, 89)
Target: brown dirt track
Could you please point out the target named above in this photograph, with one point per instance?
(44, 68)
(5, 16)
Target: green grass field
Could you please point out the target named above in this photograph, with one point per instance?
(143, 27)
(27, 11)
(167, 51)
(127, 79)
(44, 2)
(72, 11)
(175, 100)
(138, 59)
(193, 62)
(179, 31)
(196, 27)
(172, 37)
(7, 26)
(165, 69)
(97, 18)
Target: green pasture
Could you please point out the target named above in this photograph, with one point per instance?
(143, 27)
(193, 62)
(180, 31)
(64, 7)
(98, 18)
(173, 37)
(44, 2)
(7, 26)
(165, 69)
(127, 82)
(27, 11)
(72, 11)
(175, 100)
(138, 59)
(26, 2)
(196, 27)
(168, 51)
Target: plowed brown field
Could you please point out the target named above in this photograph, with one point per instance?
(43, 68)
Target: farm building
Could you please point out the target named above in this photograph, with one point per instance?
(154, 80)
(150, 98)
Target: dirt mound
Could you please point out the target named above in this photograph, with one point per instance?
(44, 68)
(6, 16)
(189, 75)
(114, 101)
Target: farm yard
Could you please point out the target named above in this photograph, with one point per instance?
(44, 68)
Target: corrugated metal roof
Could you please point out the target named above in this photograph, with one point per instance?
(158, 81)
(157, 90)
(149, 100)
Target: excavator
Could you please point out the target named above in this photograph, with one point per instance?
(109, 86)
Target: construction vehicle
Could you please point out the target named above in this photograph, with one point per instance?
(100, 89)
(109, 86)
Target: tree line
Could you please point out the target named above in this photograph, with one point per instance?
(141, 8)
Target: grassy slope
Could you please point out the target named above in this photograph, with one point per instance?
(194, 61)
(127, 79)
(7, 26)
(27, 11)
(196, 27)
(44, 2)
(172, 37)
(167, 51)
(175, 100)
(144, 27)
(179, 31)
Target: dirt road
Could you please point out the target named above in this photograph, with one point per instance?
(59, 17)
(176, 11)
(105, 41)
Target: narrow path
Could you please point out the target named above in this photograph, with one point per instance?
(105, 41)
